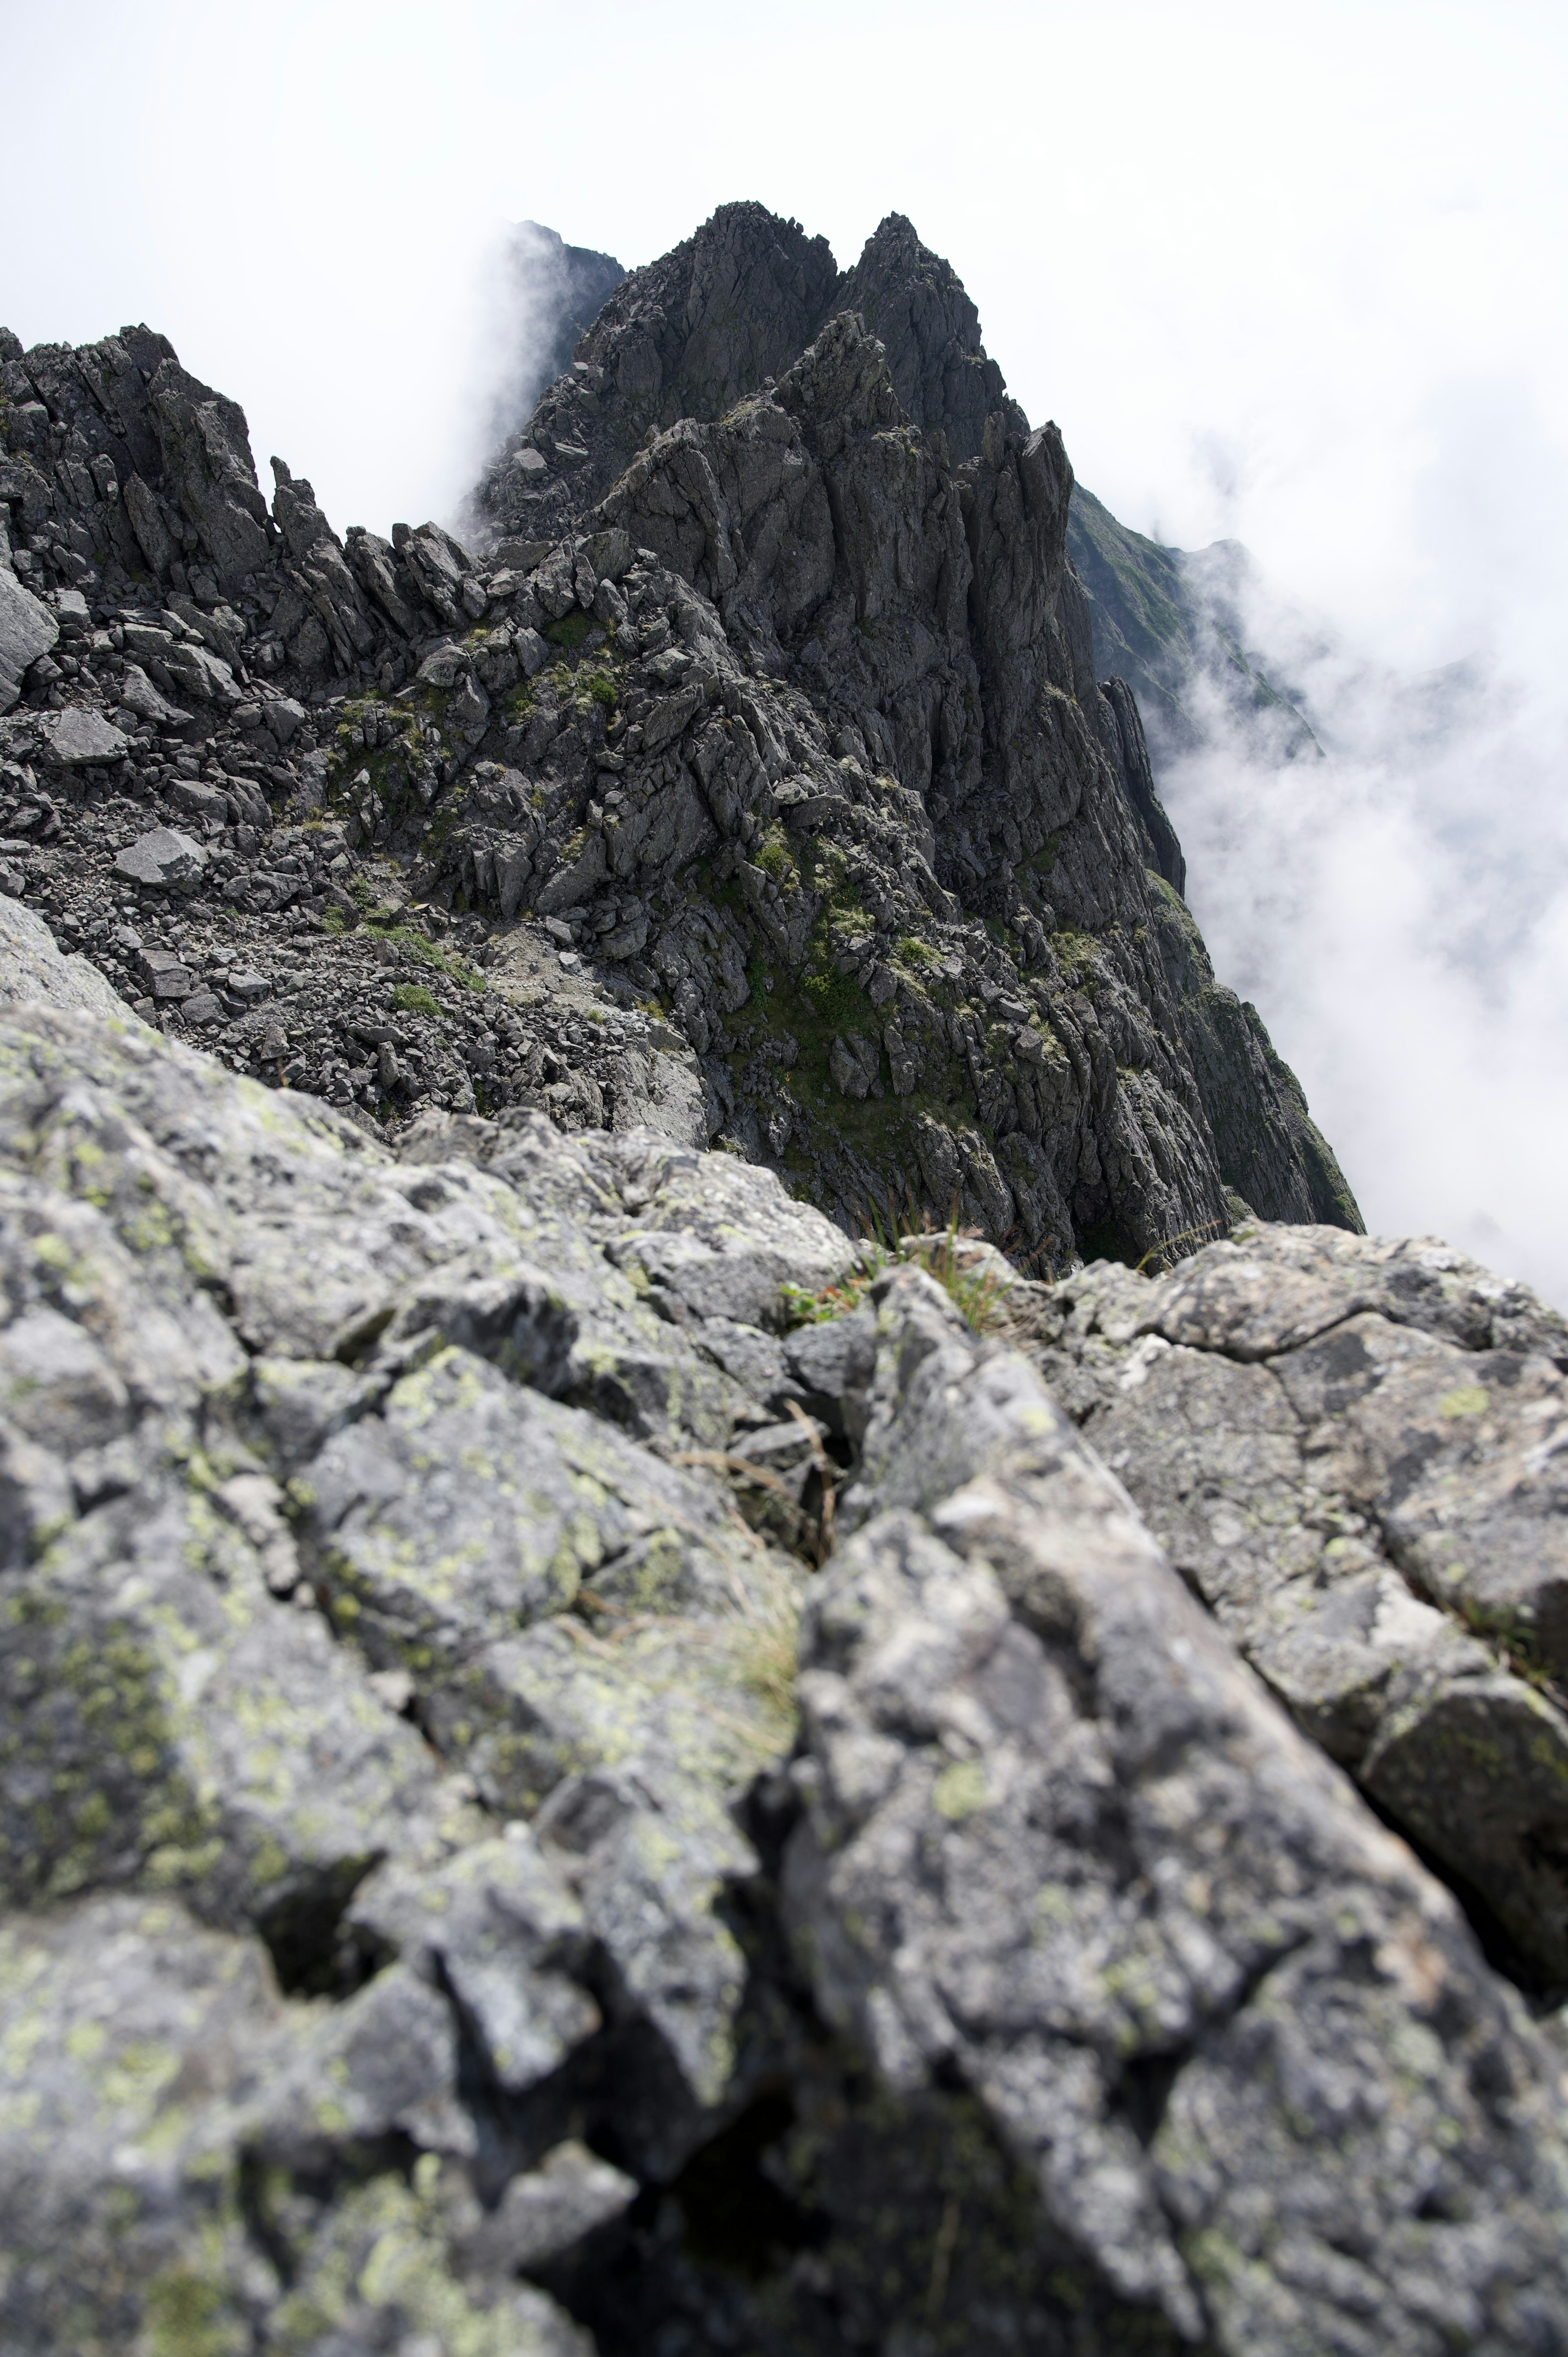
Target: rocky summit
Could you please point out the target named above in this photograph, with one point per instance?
(733, 1612)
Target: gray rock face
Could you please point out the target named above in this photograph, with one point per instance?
(1351, 1451)
(1026, 1753)
(28, 629)
(404, 1802)
(32, 969)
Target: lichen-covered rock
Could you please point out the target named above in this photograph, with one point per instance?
(1061, 1850)
(1350, 1447)
(406, 1886)
(276, 1644)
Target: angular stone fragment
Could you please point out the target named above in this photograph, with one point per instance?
(467, 1508)
(28, 629)
(543, 2214)
(507, 1934)
(164, 857)
(139, 696)
(79, 739)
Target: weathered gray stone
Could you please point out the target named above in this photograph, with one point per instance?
(32, 968)
(138, 695)
(1351, 1448)
(28, 629)
(76, 739)
(164, 857)
(1053, 1829)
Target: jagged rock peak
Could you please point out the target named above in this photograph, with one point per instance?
(916, 303)
(715, 319)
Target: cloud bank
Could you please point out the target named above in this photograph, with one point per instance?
(1399, 912)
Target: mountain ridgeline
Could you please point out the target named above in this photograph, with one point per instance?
(768, 691)
(724, 410)
(595, 1761)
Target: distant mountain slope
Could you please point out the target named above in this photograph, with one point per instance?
(1165, 619)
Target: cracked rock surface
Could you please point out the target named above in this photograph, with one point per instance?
(491, 1861)
(1354, 1452)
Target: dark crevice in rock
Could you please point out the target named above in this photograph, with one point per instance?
(313, 1953)
(1502, 1950)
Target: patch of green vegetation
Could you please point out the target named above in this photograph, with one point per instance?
(189, 2315)
(599, 688)
(413, 998)
(913, 951)
(973, 1282)
(1075, 953)
(772, 856)
(1511, 1637)
(423, 950)
(570, 631)
(836, 999)
(519, 704)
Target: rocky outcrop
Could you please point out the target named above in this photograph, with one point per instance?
(775, 801)
(586, 1765)
(1350, 1451)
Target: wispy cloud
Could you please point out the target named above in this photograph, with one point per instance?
(1398, 910)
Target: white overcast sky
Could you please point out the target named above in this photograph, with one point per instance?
(1291, 274)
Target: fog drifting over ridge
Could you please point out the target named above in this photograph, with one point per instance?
(1399, 912)
(1282, 281)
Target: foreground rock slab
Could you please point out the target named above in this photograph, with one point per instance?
(1355, 1452)
(1060, 1845)
(482, 1869)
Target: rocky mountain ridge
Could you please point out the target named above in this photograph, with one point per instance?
(1167, 621)
(734, 1614)
(776, 801)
